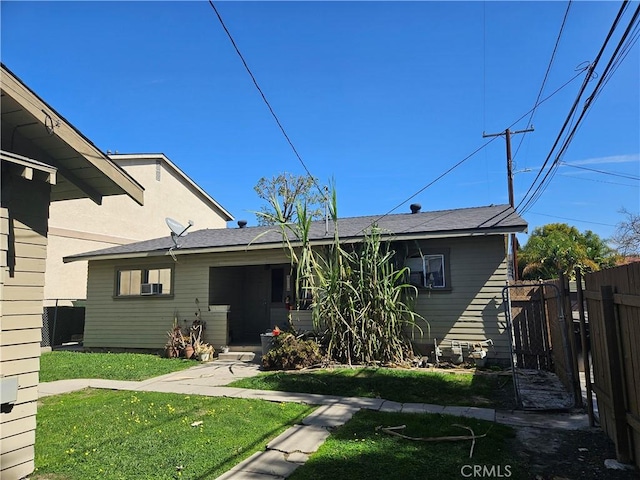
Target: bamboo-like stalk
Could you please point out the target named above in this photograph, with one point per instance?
(361, 302)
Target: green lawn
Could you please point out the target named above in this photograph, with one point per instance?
(357, 451)
(442, 388)
(63, 365)
(97, 434)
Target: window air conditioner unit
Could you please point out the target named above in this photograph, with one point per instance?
(151, 289)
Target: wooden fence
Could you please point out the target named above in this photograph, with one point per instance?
(531, 340)
(543, 332)
(613, 304)
(563, 340)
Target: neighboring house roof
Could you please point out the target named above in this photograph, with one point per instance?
(494, 219)
(121, 158)
(31, 128)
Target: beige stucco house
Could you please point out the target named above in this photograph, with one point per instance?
(81, 225)
(43, 159)
(241, 279)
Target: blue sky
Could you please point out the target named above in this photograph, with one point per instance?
(383, 97)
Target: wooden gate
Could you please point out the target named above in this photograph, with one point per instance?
(613, 304)
(531, 342)
(542, 340)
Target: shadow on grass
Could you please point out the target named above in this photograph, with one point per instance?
(497, 386)
(406, 386)
(359, 450)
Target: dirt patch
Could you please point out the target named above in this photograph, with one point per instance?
(550, 454)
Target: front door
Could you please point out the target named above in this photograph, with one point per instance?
(257, 303)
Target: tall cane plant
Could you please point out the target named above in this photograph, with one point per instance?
(361, 302)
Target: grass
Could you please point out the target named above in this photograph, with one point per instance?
(357, 450)
(110, 366)
(95, 434)
(487, 390)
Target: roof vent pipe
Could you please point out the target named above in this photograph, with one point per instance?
(242, 223)
(415, 207)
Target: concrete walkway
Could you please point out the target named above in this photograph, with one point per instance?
(292, 448)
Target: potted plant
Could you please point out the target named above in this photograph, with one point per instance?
(175, 342)
(194, 339)
(203, 351)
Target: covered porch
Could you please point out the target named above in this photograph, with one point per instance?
(255, 298)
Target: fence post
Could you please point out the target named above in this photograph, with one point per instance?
(586, 350)
(614, 370)
(565, 298)
(544, 320)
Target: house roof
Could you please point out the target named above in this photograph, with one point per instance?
(491, 220)
(31, 128)
(120, 159)
(28, 166)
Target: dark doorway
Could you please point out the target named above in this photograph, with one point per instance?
(256, 295)
(257, 302)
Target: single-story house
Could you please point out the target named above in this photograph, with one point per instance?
(240, 279)
(43, 159)
(81, 225)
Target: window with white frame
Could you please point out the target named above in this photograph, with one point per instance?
(143, 282)
(427, 271)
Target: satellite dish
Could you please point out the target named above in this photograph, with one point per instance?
(177, 230)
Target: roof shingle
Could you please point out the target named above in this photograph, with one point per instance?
(496, 219)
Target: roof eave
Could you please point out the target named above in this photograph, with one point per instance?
(36, 107)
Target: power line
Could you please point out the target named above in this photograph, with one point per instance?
(588, 103)
(470, 155)
(539, 189)
(264, 98)
(613, 174)
(570, 115)
(573, 219)
(596, 180)
(546, 75)
(623, 55)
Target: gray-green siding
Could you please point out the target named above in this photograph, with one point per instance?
(143, 322)
(470, 311)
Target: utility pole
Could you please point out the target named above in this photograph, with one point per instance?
(507, 134)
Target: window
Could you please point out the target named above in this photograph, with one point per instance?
(427, 271)
(137, 282)
(129, 282)
(434, 271)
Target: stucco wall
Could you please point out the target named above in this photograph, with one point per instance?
(78, 226)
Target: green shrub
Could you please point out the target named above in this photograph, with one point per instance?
(292, 353)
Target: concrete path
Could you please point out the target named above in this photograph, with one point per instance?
(292, 448)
